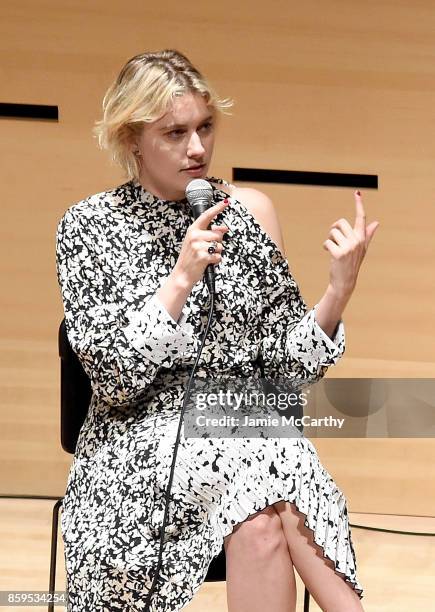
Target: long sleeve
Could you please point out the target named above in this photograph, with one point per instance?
(120, 341)
(293, 345)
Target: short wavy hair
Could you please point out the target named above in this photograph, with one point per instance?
(142, 93)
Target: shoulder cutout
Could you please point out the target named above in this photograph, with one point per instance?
(261, 207)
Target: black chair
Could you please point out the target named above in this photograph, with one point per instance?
(75, 397)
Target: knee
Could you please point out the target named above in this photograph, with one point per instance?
(261, 535)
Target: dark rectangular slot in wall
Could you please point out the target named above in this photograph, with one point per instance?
(43, 112)
(297, 177)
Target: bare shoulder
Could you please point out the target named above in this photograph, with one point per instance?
(262, 209)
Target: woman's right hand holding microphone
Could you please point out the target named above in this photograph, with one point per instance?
(194, 255)
(193, 259)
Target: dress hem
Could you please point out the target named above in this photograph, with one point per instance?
(359, 591)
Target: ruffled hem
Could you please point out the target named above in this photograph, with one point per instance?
(318, 498)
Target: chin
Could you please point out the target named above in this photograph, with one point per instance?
(191, 177)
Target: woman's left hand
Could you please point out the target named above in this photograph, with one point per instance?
(348, 247)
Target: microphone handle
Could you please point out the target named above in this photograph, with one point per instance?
(209, 274)
(210, 278)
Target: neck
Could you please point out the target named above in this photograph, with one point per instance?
(162, 193)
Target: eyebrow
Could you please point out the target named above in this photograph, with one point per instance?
(176, 126)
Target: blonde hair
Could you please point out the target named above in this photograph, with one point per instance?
(142, 93)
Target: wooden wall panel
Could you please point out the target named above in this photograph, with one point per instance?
(337, 86)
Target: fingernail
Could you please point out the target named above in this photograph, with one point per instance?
(358, 192)
(226, 201)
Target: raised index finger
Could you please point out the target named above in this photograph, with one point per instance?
(360, 218)
(205, 218)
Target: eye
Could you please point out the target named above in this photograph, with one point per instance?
(175, 133)
(207, 126)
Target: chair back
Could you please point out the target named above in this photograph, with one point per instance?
(75, 393)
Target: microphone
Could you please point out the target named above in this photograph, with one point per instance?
(199, 194)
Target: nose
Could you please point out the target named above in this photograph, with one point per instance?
(195, 147)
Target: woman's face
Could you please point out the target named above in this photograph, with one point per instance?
(182, 138)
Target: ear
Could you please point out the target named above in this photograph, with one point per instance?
(134, 148)
(132, 141)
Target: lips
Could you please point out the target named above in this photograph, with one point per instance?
(194, 167)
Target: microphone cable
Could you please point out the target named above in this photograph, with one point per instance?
(177, 440)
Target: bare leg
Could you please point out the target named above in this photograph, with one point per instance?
(331, 592)
(259, 568)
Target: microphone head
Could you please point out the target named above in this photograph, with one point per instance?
(199, 193)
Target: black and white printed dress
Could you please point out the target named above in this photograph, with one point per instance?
(114, 250)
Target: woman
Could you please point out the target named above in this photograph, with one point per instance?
(130, 265)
